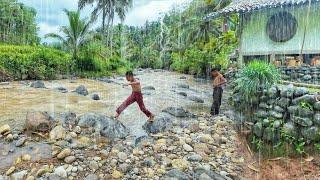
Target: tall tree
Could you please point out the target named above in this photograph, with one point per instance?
(17, 23)
(107, 9)
(75, 34)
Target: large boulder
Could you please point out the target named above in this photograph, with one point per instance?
(316, 119)
(283, 102)
(176, 111)
(176, 174)
(37, 84)
(200, 172)
(196, 99)
(302, 121)
(290, 129)
(161, 123)
(106, 126)
(311, 99)
(148, 88)
(311, 133)
(38, 121)
(82, 90)
(258, 129)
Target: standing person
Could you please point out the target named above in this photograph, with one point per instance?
(136, 96)
(218, 82)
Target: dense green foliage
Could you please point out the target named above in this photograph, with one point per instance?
(34, 62)
(256, 76)
(17, 23)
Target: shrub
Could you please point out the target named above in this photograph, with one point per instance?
(254, 77)
(34, 62)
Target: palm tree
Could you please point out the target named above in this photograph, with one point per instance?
(75, 34)
(108, 9)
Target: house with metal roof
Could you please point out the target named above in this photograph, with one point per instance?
(276, 29)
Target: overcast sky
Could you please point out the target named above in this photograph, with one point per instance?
(50, 15)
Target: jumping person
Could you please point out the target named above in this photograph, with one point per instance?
(136, 96)
(218, 82)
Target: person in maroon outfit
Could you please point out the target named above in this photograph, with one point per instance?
(136, 96)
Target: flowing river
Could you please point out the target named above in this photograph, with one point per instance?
(18, 98)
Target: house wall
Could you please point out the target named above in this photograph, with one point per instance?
(255, 40)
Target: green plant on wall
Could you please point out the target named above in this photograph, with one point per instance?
(255, 77)
(306, 105)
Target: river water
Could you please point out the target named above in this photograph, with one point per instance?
(18, 98)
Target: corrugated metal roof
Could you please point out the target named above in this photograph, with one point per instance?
(242, 6)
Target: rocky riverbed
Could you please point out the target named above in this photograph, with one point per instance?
(64, 130)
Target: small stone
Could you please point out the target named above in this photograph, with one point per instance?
(26, 157)
(19, 175)
(95, 97)
(64, 153)
(5, 129)
(122, 156)
(195, 157)
(61, 172)
(70, 159)
(30, 178)
(21, 141)
(180, 164)
(57, 133)
(97, 158)
(116, 174)
(9, 137)
(93, 165)
(205, 138)
(10, 170)
(187, 148)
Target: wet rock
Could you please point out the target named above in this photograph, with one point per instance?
(61, 172)
(38, 121)
(91, 177)
(317, 106)
(276, 115)
(201, 172)
(68, 119)
(284, 102)
(64, 153)
(108, 127)
(122, 156)
(37, 84)
(93, 165)
(176, 174)
(195, 158)
(311, 99)
(184, 86)
(183, 94)
(196, 99)
(176, 111)
(288, 91)
(62, 89)
(306, 122)
(82, 90)
(5, 129)
(70, 159)
(10, 170)
(21, 141)
(300, 92)
(161, 123)
(57, 133)
(316, 119)
(181, 164)
(149, 88)
(290, 129)
(95, 97)
(26, 157)
(258, 129)
(311, 133)
(19, 175)
(187, 147)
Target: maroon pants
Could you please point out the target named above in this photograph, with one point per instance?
(134, 97)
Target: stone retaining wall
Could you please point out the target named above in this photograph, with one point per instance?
(304, 74)
(281, 110)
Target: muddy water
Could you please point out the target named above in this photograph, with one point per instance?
(16, 99)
